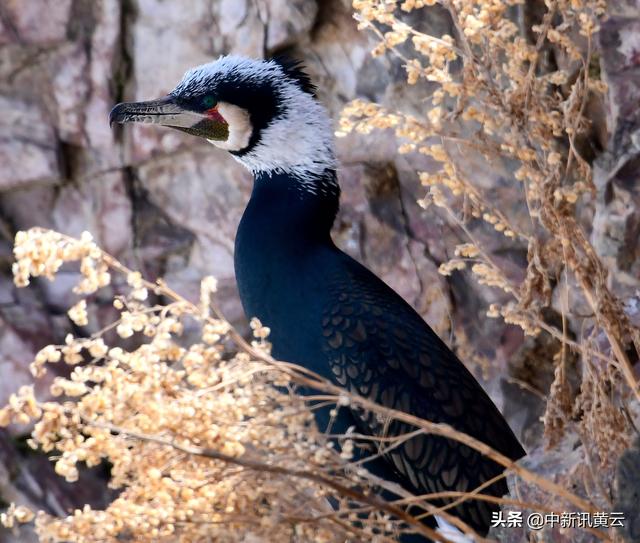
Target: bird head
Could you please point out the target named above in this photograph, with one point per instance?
(264, 112)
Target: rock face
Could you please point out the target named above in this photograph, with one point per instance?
(168, 204)
(617, 232)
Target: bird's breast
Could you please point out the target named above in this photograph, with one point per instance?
(284, 286)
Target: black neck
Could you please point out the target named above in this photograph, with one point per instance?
(281, 245)
(294, 209)
(283, 229)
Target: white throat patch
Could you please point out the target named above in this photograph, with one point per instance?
(239, 124)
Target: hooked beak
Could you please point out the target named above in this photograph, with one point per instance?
(167, 112)
(164, 111)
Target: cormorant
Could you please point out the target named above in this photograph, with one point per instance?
(326, 311)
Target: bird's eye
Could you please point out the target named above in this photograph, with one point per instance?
(209, 101)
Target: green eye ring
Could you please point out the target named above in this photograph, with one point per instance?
(209, 101)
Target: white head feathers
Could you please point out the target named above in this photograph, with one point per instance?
(296, 137)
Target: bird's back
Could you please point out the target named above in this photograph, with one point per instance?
(329, 313)
(379, 347)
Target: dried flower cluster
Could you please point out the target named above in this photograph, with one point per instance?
(496, 101)
(206, 440)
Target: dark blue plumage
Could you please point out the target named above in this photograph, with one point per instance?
(330, 314)
(326, 311)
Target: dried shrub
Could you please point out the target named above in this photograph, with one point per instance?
(501, 102)
(205, 440)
